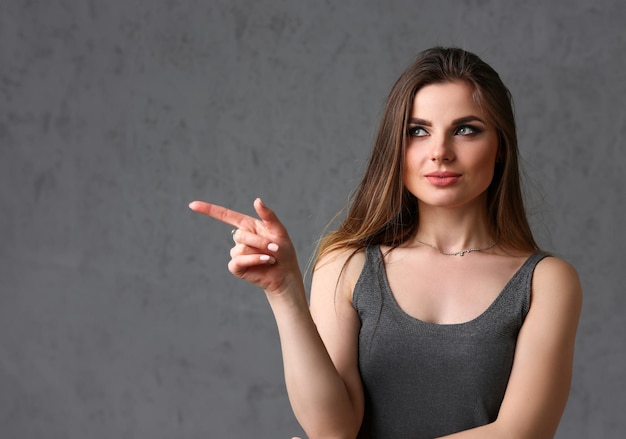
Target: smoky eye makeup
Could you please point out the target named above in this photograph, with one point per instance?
(467, 130)
(416, 131)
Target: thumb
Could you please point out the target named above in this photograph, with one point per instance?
(267, 215)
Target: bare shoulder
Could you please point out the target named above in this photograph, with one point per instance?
(341, 257)
(554, 271)
(342, 267)
(556, 280)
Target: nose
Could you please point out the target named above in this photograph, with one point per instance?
(442, 150)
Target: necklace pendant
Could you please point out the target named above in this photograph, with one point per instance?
(462, 252)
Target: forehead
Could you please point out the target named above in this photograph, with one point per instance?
(446, 100)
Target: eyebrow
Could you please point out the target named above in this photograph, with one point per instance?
(459, 121)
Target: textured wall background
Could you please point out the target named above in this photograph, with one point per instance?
(118, 318)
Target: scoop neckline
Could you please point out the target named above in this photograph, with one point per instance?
(474, 320)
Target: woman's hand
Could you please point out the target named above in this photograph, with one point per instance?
(327, 401)
(263, 253)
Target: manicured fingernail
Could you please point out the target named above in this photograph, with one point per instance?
(272, 247)
(267, 258)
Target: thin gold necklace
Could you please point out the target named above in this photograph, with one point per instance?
(460, 252)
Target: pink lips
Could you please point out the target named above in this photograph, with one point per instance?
(443, 178)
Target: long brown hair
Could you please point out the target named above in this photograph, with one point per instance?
(382, 211)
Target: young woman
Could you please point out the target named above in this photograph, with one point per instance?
(432, 310)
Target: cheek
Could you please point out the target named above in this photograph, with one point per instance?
(488, 159)
(413, 159)
(487, 169)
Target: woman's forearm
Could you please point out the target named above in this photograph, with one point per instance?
(318, 394)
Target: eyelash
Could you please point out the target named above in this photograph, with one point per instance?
(472, 128)
(412, 131)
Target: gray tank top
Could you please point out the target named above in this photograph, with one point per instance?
(424, 380)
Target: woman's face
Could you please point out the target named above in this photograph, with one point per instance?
(451, 147)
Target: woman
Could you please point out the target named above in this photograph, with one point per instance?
(432, 311)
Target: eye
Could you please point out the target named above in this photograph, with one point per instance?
(417, 131)
(466, 130)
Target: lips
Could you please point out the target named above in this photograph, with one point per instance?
(443, 178)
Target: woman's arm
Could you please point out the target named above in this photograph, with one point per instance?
(319, 345)
(542, 369)
(320, 353)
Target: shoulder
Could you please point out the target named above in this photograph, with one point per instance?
(340, 268)
(346, 262)
(556, 288)
(555, 274)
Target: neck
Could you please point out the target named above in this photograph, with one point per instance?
(453, 230)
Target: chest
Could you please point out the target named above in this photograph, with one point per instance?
(448, 291)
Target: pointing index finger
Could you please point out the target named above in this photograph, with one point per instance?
(223, 214)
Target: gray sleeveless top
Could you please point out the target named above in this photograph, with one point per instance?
(424, 380)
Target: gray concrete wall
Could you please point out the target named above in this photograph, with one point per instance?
(118, 318)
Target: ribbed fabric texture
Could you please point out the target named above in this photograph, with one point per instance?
(424, 380)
